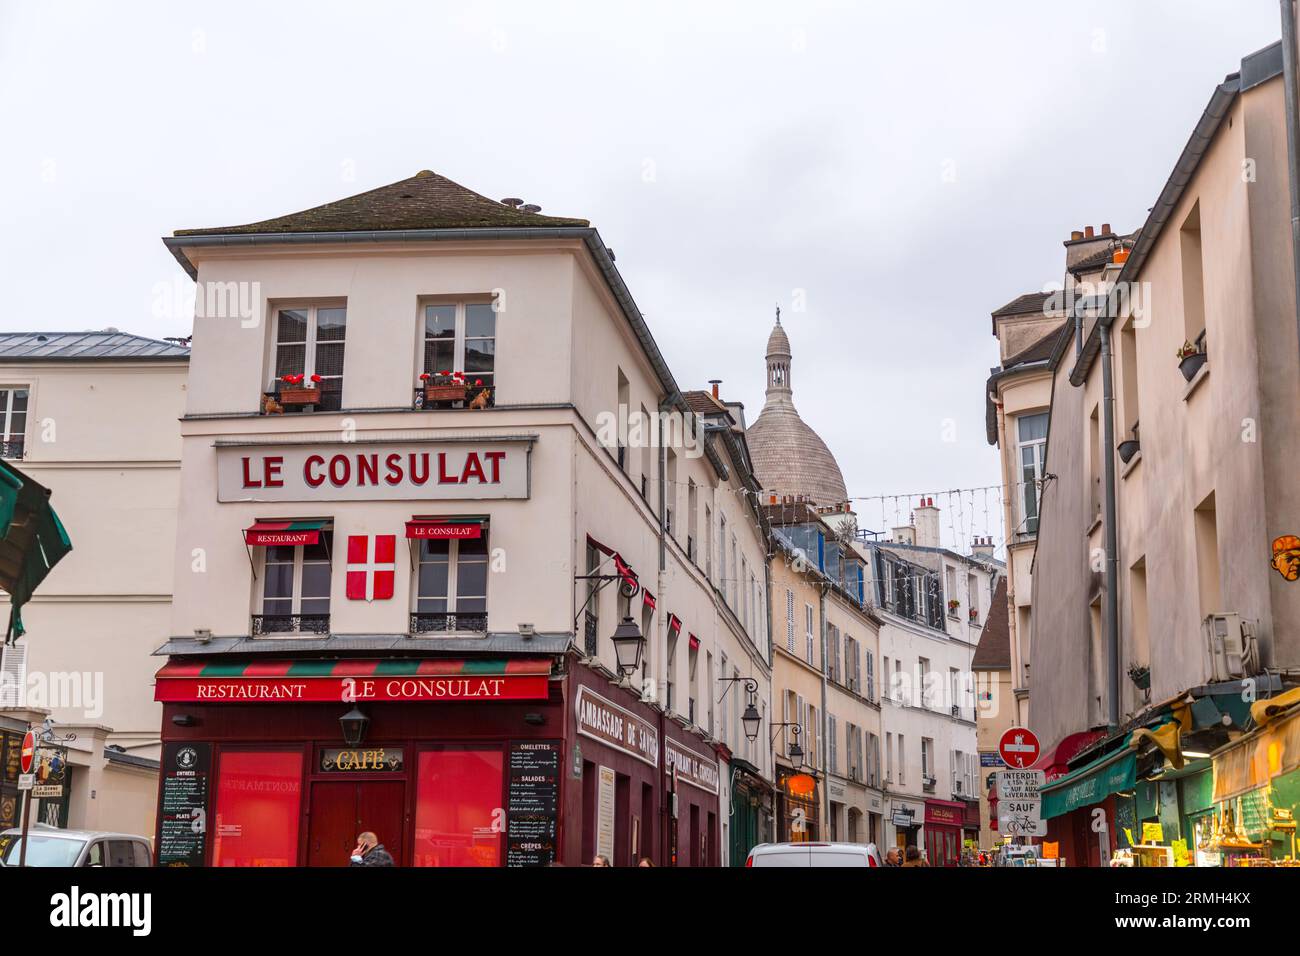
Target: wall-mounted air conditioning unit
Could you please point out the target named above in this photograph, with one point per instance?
(1231, 644)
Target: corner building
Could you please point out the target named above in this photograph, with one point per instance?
(397, 588)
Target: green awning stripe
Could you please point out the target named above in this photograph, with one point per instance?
(305, 525)
(398, 668)
(311, 669)
(484, 667)
(1091, 783)
(223, 670)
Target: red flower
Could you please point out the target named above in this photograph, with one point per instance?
(444, 373)
(424, 376)
(478, 381)
(316, 379)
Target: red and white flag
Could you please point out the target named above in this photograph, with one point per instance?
(371, 579)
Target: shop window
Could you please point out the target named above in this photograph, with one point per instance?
(462, 337)
(457, 803)
(259, 808)
(451, 586)
(309, 342)
(13, 421)
(295, 594)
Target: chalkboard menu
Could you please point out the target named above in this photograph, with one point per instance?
(183, 830)
(534, 803)
(10, 753)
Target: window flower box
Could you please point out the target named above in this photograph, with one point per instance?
(292, 390)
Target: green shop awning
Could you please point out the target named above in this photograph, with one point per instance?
(1091, 783)
(32, 540)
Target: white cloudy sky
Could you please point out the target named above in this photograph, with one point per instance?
(731, 153)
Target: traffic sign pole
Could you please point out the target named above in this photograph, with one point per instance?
(27, 759)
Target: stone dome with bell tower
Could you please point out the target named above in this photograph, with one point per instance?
(789, 457)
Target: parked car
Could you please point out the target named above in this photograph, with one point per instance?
(814, 854)
(50, 846)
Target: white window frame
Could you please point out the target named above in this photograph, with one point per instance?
(1040, 453)
(309, 350)
(7, 434)
(453, 570)
(295, 596)
(458, 340)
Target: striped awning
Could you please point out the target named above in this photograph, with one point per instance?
(353, 681)
(266, 533)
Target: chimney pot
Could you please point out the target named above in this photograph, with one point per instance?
(1087, 232)
(1105, 229)
(1076, 235)
(715, 382)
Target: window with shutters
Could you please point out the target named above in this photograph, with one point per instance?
(808, 633)
(834, 741)
(889, 758)
(13, 675)
(869, 688)
(789, 620)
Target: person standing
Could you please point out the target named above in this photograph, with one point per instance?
(370, 852)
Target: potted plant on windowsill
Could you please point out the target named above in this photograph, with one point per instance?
(443, 386)
(1190, 359)
(1140, 675)
(953, 606)
(291, 390)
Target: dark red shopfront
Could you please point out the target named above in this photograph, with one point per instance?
(943, 831)
(462, 763)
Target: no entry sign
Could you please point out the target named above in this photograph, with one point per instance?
(27, 757)
(1018, 747)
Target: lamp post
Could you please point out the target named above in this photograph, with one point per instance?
(628, 643)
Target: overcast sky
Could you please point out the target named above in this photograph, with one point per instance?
(899, 169)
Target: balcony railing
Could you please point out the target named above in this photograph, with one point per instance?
(589, 641)
(264, 624)
(448, 623)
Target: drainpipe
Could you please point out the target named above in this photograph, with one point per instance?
(823, 743)
(1112, 533)
(1292, 140)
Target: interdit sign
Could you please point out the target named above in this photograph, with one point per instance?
(364, 471)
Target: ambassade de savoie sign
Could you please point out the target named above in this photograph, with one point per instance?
(365, 471)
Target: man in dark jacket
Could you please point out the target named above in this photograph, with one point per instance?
(370, 852)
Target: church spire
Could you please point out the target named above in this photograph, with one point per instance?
(778, 362)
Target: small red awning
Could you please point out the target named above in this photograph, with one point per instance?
(674, 623)
(648, 599)
(444, 529)
(622, 567)
(267, 533)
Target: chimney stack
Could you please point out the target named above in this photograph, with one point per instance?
(1087, 232)
(1076, 235)
(1105, 229)
(715, 382)
(926, 519)
(983, 548)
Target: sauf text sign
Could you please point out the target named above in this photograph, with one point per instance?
(364, 471)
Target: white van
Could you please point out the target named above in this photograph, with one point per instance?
(814, 854)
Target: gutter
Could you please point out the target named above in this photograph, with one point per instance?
(1292, 142)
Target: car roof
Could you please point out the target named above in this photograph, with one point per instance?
(44, 830)
(815, 845)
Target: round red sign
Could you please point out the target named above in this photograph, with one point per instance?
(1018, 748)
(27, 757)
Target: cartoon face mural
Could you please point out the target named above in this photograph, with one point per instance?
(1286, 556)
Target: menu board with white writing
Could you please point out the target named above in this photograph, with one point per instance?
(182, 833)
(533, 804)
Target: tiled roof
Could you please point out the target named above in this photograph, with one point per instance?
(425, 201)
(703, 403)
(66, 346)
(993, 653)
(1025, 304)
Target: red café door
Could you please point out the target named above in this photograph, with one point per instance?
(341, 810)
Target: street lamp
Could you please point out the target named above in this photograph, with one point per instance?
(354, 724)
(795, 752)
(752, 720)
(628, 643)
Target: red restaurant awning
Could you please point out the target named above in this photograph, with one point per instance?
(445, 528)
(333, 681)
(266, 533)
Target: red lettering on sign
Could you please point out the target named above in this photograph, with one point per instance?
(340, 470)
(472, 467)
(367, 467)
(443, 477)
(248, 479)
(309, 474)
(273, 465)
(495, 457)
(394, 463)
(419, 468)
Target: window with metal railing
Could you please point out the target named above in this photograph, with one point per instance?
(451, 586)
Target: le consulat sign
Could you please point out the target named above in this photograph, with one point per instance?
(367, 470)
